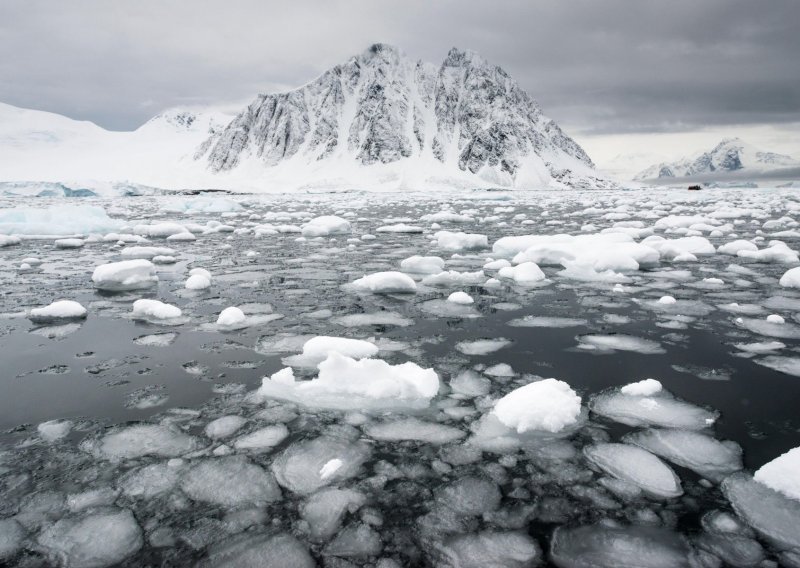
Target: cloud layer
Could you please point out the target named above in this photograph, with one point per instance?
(614, 66)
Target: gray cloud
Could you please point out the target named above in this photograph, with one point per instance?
(599, 67)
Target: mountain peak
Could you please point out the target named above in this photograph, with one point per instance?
(401, 118)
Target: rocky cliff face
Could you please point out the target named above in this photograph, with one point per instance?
(730, 155)
(465, 117)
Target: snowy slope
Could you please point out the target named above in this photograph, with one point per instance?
(37, 146)
(730, 155)
(383, 119)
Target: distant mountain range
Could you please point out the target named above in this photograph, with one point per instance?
(731, 155)
(378, 121)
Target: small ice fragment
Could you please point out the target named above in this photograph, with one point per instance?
(460, 298)
(646, 387)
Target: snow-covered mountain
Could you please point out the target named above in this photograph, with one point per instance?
(378, 121)
(383, 119)
(730, 155)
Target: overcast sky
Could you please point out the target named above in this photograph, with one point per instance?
(605, 69)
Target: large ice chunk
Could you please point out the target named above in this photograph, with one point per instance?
(619, 342)
(316, 350)
(659, 409)
(259, 551)
(139, 440)
(700, 453)
(549, 405)
(782, 474)
(489, 549)
(325, 226)
(637, 466)
(448, 240)
(306, 466)
(58, 310)
(154, 309)
(524, 273)
(56, 220)
(414, 429)
(390, 282)
(345, 383)
(230, 481)
(423, 264)
(600, 546)
(95, 539)
(325, 509)
(125, 275)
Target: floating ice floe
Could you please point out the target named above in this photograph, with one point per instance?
(781, 474)
(390, 282)
(482, 346)
(231, 316)
(54, 430)
(513, 549)
(547, 321)
(325, 226)
(524, 273)
(154, 309)
(346, 383)
(703, 454)
(230, 482)
(224, 426)
(93, 539)
(773, 515)
(138, 440)
(461, 298)
(770, 328)
(9, 240)
(636, 466)
(72, 243)
(262, 439)
(791, 278)
(317, 349)
(603, 546)
(126, 275)
(399, 228)
(372, 319)
(777, 252)
(146, 252)
(645, 387)
(422, 264)
(199, 279)
(549, 405)
(656, 408)
(733, 247)
(57, 311)
(325, 510)
(300, 467)
(413, 429)
(619, 342)
(787, 365)
(460, 241)
(453, 278)
(160, 230)
(270, 550)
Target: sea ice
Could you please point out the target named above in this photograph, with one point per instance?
(460, 241)
(781, 474)
(524, 273)
(547, 321)
(231, 316)
(259, 550)
(422, 264)
(153, 309)
(489, 549)
(549, 405)
(386, 283)
(619, 342)
(659, 409)
(58, 310)
(231, 481)
(317, 349)
(129, 442)
(482, 346)
(125, 275)
(346, 383)
(637, 466)
(262, 439)
(299, 467)
(325, 510)
(460, 298)
(413, 429)
(224, 426)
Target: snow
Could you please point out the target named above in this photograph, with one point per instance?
(54, 430)
(58, 310)
(231, 316)
(637, 466)
(781, 474)
(125, 275)
(95, 539)
(389, 282)
(461, 298)
(549, 405)
(197, 282)
(422, 264)
(646, 387)
(147, 309)
(325, 226)
(347, 383)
